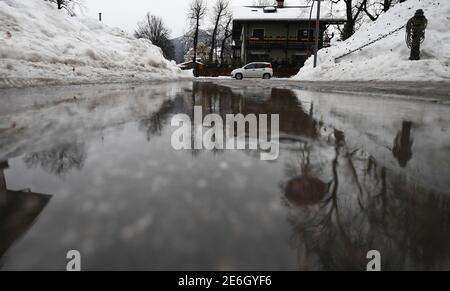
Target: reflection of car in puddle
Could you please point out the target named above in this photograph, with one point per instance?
(18, 211)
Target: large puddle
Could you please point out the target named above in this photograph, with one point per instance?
(92, 168)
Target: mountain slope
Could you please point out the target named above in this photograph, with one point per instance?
(182, 44)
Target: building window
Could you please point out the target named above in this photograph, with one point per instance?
(258, 33)
(304, 35)
(237, 53)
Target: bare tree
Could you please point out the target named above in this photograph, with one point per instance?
(353, 10)
(60, 3)
(218, 13)
(227, 33)
(374, 8)
(387, 4)
(69, 5)
(197, 12)
(154, 29)
(356, 10)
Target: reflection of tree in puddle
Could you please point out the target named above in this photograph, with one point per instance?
(367, 207)
(154, 125)
(305, 189)
(58, 160)
(342, 201)
(403, 144)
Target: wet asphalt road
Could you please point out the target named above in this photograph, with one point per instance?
(427, 91)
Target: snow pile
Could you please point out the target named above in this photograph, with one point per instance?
(388, 59)
(42, 45)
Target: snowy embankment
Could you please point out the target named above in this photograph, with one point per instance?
(42, 45)
(388, 59)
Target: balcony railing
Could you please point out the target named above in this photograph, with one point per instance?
(283, 43)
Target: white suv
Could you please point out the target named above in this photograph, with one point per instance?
(254, 70)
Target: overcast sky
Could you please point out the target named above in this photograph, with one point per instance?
(126, 13)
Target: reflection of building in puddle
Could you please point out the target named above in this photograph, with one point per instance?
(367, 207)
(18, 211)
(222, 100)
(294, 120)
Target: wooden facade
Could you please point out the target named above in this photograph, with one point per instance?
(283, 42)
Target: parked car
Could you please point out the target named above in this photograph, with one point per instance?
(253, 70)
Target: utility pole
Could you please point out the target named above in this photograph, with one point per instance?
(316, 46)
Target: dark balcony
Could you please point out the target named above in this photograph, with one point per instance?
(281, 43)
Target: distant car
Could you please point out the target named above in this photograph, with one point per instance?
(254, 70)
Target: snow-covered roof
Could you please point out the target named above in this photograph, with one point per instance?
(190, 62)
(286, 13)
